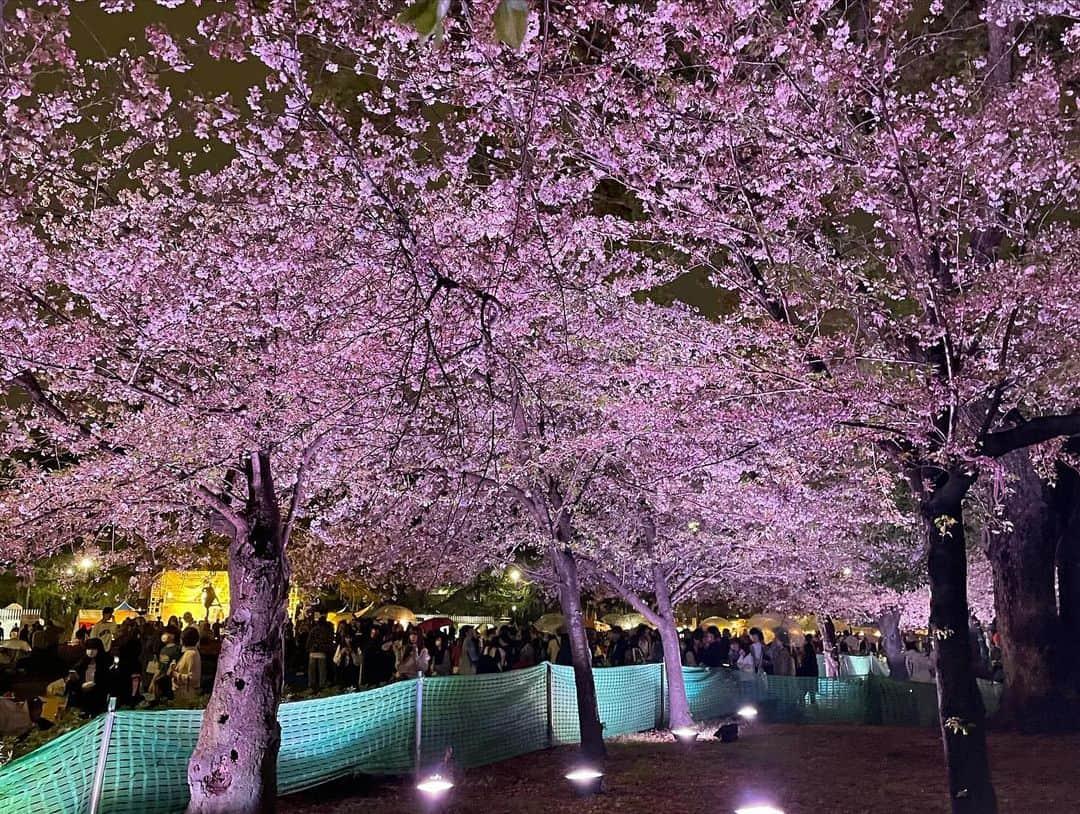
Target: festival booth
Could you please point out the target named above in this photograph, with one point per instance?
(203, 594)
(15, 615)
(88, 617)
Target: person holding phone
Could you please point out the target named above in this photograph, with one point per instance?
(87, 681)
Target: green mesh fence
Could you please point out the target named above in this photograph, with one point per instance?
(484, 719)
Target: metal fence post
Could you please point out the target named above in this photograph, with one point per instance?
(660, 723)
(419, 715)
(550, 722)
(103, 756)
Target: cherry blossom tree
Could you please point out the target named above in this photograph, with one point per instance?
(902, 216)
(706, 495)
(195, 351)
(834, 174)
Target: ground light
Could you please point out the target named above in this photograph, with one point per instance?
(434, 789)
(758, 809)
(685, 735)
(747, 712)
(586, 781)
(434, 786)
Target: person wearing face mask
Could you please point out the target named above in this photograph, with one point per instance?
(87, 681)
(168, 655)
(187, 674)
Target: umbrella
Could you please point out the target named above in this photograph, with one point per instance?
(769, 623)
(436, 622)
(549, 623)
(553, 622)
(719, 622)
(626, 621)
(395, 613)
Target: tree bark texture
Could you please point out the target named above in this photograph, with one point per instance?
(960, 707)
(233, 769)
(1022, 561)
(678, 706)
(1066, 504)
(592, 731)
(893, 642)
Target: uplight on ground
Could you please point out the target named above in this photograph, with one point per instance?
(434, 786)
(586, 780)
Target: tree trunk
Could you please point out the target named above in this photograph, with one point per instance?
(234, 767)
(960, 707)
(830, 651)
(893, 642)
(592, 732)
(679, 707)
(1023, 566)
(1067, 510)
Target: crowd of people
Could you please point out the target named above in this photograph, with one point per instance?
(151, 662)
(135, 661)
(364, 652)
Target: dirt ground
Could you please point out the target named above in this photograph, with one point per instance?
(800, 769)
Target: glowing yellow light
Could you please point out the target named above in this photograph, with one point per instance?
(685, 734)
(747, 712)
(846, 571)
(69, 571)
(759, 809)
(514, 574)
(86, 563)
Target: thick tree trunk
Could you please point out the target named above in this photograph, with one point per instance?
(960, 707)
(1027, 619)
(830, 651)
(893, 642)
(592, 732)
(234, 767)
(679, 707)
(1066, 503)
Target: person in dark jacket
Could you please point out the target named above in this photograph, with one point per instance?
(87, 683)
(714, 653)
(808, 667)
(565, 656)
(320, 646)
(125, 671)
(378, 663)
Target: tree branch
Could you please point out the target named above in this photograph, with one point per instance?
(1032, 432)
(219, 505)
(631, 598)
(298, 488)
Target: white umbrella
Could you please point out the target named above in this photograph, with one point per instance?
(395, 613)
(626, 621)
